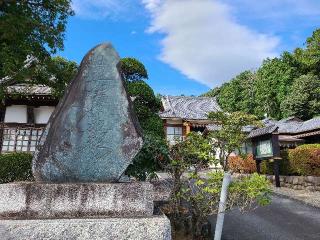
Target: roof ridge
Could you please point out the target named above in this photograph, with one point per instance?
(170, 105)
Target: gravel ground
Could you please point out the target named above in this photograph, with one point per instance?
(305, 196)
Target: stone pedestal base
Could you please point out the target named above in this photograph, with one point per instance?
(148, 228)
(115, 211)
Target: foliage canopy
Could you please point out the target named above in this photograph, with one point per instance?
(30, 30)
(279, 88)
(133, 70)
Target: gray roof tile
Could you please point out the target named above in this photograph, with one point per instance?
(262, 131)
(28, 89)
(188, 107)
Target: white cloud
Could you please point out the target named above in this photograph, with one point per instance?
(275, 9)
(204, 42)
(99, 9)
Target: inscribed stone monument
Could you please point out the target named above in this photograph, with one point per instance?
(92, 136)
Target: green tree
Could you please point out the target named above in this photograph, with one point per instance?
(303, 101)
(146, 106)
(133, 70)
(197, 195)
(265, 91)
(230, 137)
(57, 74)
(212, 93)
(274, 79)
(238, 94)
(310, 55)
(30, 29)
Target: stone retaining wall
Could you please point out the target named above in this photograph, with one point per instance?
(310, 183)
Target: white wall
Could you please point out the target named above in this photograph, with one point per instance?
(42, 114)
(16, 114)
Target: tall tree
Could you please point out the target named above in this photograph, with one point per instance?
(146, 106)
(303, 101)
(238, 94)
(310, 56)
(274, 79)
(30, 29)
(57, 74)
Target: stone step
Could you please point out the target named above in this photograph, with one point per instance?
(145, 228)
(75, 200)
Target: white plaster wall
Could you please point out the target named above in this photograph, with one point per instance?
(16, 114)
(42, 114)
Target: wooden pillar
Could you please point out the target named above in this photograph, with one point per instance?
(276, 172)
(30, 115)
(258, 165)
(2, 116)
(188, 129)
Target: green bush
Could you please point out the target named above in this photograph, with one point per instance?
(305, 160)
(284, 165)
(15, 167)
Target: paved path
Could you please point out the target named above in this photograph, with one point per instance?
(284, 219)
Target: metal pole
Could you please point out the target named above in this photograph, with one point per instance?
(222, 205)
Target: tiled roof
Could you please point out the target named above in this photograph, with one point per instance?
(28, 89)
(262, 131)
(215, 127)
(294, 125)
(311, 124)
(188, 107)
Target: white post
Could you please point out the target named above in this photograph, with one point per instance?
(222, 205)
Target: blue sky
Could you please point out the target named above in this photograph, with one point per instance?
(190, 46)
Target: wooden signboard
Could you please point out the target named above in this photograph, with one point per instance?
(267, 147)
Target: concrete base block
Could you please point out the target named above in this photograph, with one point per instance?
(75, 200)
(147, 228)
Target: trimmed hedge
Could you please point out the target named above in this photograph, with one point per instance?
(15, 167)
(305, 160)
(301, 161)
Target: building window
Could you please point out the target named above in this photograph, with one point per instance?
(20, 139)
(174, 134)
(246, 148)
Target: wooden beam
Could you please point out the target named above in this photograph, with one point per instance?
(2, 116)
(30, 115)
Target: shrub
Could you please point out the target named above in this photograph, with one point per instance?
(15, 167)
(240, 164)
(305, 160)
(266, 167)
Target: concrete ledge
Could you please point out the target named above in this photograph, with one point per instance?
(43, 201)
(150, 228)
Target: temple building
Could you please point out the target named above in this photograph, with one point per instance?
(26, 110)
(182, 115)
(24, 113)
(292, 131)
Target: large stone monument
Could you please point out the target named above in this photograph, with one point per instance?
(89, 141)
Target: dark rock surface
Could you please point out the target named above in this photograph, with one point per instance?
(93, 135)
